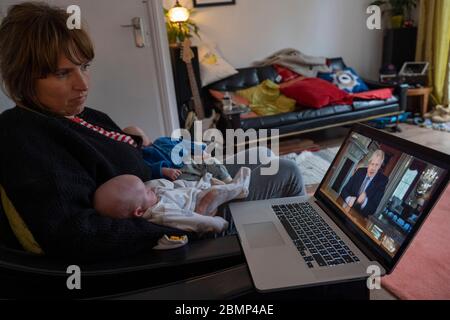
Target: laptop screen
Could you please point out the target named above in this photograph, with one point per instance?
(383, 191)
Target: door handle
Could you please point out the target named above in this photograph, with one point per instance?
(138, 29)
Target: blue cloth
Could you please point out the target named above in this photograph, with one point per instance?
(166, 152)
(347, 80)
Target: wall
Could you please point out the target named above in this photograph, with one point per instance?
(254, 29)
(124, 83)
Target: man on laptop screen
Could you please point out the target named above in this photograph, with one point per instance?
(381, 189)
(366, 187)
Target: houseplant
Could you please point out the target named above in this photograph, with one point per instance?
(400, 10)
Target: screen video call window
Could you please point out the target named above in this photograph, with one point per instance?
(382, 190)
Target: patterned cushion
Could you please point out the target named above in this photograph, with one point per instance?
(347, 80)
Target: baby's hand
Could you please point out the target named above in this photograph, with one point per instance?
(171, 174)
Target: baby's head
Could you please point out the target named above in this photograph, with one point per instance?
(124, 197)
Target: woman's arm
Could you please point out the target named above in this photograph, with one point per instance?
(50, 170)
(59, 213)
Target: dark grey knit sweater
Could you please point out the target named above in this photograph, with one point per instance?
(50, 168)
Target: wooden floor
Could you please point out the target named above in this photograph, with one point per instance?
(334, 137)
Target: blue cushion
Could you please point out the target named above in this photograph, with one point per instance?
(347, 80)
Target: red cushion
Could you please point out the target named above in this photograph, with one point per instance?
(315, 93)
(380, 94)
(285, 73)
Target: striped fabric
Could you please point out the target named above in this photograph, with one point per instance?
(110, 134)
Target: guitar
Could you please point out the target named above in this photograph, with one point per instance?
(187, 55)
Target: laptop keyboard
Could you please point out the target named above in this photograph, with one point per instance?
(317, 243)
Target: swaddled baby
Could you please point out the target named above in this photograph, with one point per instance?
(179, 204)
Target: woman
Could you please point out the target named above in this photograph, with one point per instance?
(56, 152)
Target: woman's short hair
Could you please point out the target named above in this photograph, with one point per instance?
(33, 35)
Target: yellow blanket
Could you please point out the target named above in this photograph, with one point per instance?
(266, 100)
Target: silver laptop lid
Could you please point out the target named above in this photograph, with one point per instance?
(380, 189)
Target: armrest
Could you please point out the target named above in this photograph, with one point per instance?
(36, 276)
(226, 284)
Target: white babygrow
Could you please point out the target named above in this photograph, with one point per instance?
(177, 202)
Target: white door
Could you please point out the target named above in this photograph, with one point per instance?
(124, 78)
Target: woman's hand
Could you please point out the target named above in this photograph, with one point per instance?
(171, 174)
(136, 131)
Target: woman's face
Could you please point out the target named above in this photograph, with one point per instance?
(65, 91)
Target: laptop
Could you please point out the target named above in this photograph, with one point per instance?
(371, 203)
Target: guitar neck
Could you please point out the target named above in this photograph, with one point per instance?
(198, 105)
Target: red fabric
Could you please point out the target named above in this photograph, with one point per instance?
(219, 95)
(380, 94)
(315, 93)
(110, 134)
(285, 73)
(423, 273)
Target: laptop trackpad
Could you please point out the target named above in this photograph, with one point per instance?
(263, 235)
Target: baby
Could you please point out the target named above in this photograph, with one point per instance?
(181, 204)
(158, 155)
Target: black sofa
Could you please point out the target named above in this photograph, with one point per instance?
(306, 120)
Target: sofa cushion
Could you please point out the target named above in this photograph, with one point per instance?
(212, 66)
(284, 119)
(346, 79)
(379, 94)
(315, 93)
(285, 73)
(368, 104)
(18, 225)
(246, 78)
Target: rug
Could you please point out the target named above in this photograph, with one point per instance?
(313, 165)
(424, 271)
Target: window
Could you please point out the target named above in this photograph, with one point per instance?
(405, 184)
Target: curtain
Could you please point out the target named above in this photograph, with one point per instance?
(433, 46)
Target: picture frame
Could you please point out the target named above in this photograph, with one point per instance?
(212, 3)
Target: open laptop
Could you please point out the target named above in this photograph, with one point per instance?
(351, 223)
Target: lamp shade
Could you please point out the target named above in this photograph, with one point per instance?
(178, 14)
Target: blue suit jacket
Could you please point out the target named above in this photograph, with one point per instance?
(375, 190)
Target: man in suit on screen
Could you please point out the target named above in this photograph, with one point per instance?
(366, 187)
